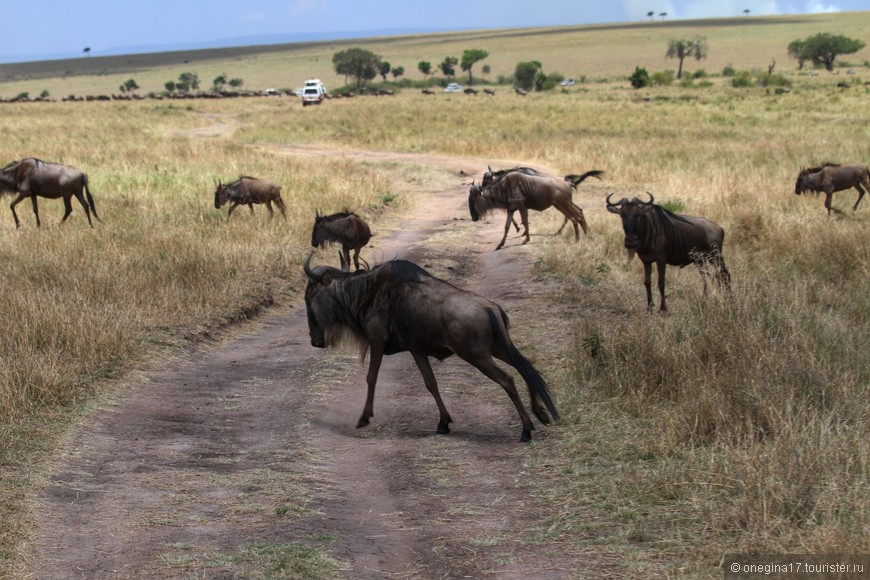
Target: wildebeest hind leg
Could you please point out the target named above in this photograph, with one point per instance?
(489, 368)
(431, 384)
(860, 195)
(507, 227)
(562, 227)
(85, 205)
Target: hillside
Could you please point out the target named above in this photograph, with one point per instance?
(597, 52)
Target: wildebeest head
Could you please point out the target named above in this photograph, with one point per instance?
(473, 196)
(324, 324)
(801, 184)
(221, 194)
(629, 212)
(318, 232)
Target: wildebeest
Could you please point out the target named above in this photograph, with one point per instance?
(832, 177)
(523, 188)
(345, 228)
(396, 307)
(248, 191)
(34, 178)
(661, 236)
(489, 92)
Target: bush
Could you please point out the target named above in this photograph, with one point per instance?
(728, 71)
(663, 78)
(742, 79)
(640, 78)
(773, 80)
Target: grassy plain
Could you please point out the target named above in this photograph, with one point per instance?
(733, 424)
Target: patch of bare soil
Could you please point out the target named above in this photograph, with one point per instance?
(252, 444)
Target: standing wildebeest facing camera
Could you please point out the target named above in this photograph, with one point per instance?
(832, 177)
(658, 235)
(36, 178)
(248, 191)
(344, 228)
(521, 189)
(396, 307)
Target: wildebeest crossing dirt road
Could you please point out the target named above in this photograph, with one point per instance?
(243, 456)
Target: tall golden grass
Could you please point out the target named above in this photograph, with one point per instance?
(736, 422)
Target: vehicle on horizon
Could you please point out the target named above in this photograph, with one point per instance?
(453, 88)
(313, 93)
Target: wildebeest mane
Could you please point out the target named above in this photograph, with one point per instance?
(664, 220)
(819, 168)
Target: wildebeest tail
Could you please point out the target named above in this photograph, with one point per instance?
(90, 197)
(576, 180)
(516, 359)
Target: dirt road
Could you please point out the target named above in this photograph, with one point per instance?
(233, 459)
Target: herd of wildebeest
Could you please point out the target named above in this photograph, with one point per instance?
(397, 306)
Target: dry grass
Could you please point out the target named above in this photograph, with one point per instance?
(733, 423)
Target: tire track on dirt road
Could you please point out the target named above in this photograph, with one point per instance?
(252, 443)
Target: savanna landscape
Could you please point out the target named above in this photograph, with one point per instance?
(163, 414)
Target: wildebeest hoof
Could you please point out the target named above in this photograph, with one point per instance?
(443, 428)
(363, 422)
(526, 437)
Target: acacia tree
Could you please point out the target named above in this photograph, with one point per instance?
(822, 49)
(681, 48)
(469, 57)
(361, 64)
(425, 67)
(448, 66)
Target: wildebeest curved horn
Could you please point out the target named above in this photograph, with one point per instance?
(651, 198)
(315, 275)
(614, 207)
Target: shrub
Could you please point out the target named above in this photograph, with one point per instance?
(640, 78)
(728, 71)
(663, 78)
(742, 79)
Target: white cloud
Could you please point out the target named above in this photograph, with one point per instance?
(304, 7)
(818, 7)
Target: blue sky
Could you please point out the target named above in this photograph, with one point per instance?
(37, 29)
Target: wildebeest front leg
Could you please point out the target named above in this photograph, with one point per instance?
(507, 227)
(524, 215)
(431, 384)
(376, 355)
(661, 269)
(12, 207)
(233, 206)
(647, 282)
(828, 199)
(251, 207)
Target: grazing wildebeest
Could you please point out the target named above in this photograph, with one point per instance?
(661, 236)
(345, 228)
(34, 178)
(248, 191)
(522, 189)
(832, 177)
(520, 92)
(396, 307)
(427, 92)
(470, 91)
(489, 92)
